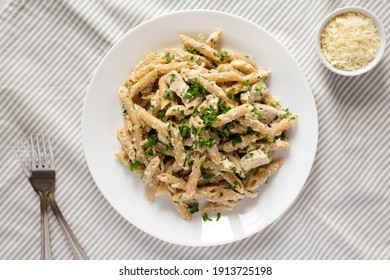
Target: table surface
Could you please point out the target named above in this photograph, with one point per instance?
(48, 52)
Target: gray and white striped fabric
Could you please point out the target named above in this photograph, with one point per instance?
(48, 52)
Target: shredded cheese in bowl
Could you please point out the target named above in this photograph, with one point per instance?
(350, 41)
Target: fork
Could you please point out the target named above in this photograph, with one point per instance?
(42, 177)
(27, 162)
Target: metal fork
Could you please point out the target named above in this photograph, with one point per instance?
(41, 175)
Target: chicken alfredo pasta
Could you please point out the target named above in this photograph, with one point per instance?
(201, 125)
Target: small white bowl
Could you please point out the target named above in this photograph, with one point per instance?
(369, 66)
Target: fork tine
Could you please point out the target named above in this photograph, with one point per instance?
(38, 150)
(26, 146)
(21, 162)
(52, 165)
(33, 155)
(44, 156)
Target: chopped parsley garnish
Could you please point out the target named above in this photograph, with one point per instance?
(275, 104)
(237, 139)
(204, 143)
(204, 174)
(188, 95)
(176, 174)
(167, 94)
(210, 116)
(249, 130)
(149, 152)
(287, 113)
(257, 88)
(152, 141)
(234, 169)
(250, 155)
(124, 111)
(172, 79)
(231, 90)
(161, 114)
(222, 107)
(282, 135)
(245, 82)
(214, 64)
(196, 112)
(168, 57)
(184, 130)
(223, 134)
(206, 217)
(223, 55)
(220, 194)
(257, 112)
(218, 216)
(193, 207)
(207, 175)
(195, 131)
(195, 89)
(192, 50)
(151, 108)
(236, 182)
(135, 165)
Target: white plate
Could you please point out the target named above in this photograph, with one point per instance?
(123, 190)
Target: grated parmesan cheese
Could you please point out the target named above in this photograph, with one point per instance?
(350, 41)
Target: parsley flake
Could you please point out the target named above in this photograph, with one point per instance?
(184, 130)
(204, 174)
(193, 207)
(124, 111)
(134, 165)
(287, 113)
(167, 94)
(248, 156)
(206, 218)
(204, 143)
(222, 107)
(210, 116)
(152, 141)
(192, 51)
(172, 79)
(196, 112)
(245, 82)
(223, 55)
(195, 89)
(237, 139)
(257, 112)
(161, 114)
(168, 57)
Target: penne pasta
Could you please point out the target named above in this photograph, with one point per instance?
(201, 125)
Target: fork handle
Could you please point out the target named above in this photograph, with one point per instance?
(45, 236)
(77, 250)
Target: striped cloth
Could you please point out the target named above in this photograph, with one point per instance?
(48, 52)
